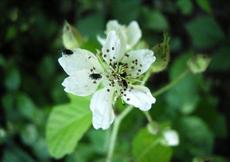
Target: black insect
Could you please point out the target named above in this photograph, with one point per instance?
(95, 76)
(124, 83)
(67, 52)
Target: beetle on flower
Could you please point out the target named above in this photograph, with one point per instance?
(116, 69)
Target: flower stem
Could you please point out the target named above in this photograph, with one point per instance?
(129, 109)
(148, 116)
(170, 85)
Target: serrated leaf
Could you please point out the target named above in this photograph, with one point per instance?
(147, 148)
(66, 125)
(162, 54)
(71, 38)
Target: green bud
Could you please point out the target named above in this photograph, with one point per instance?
(153, 128)
(198, 63)
(162, 53)
(71, 38)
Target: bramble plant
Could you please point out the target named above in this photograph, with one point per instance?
(115, 74)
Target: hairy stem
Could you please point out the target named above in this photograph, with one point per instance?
(129, 109)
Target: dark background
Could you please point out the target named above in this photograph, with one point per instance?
(30, 44)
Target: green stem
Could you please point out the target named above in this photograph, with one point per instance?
(129, 109)
(148, 116)
(170, 85)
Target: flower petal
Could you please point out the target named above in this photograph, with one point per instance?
(139, 96)
(101, 107)
(113, 49)
(79, 59)
(133, 33)
(112, 25)
(138, 61)
(81, 84)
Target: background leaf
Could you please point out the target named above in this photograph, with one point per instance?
(204, 32)
(147, 148)
(205, 5)
(66, 125)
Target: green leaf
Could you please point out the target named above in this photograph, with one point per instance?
(205, 32)
(71, 38)
(215, 120)
(220, 60)
(16, 154)
(99, 138)
(205, 5)
(155, 20)
(66, 125)
(185, 6)
(196, 138)
(119, 10)
(91, 25)
(198, 63)
(184, 96)
(26, 106)
(210, 159)
(162, 53)
(13, 79)
(147, 148)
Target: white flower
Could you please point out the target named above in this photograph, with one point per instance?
(130, 34)
(171, 138)
(115, 70)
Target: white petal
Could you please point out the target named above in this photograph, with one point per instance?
(113, 49)
(112, 25)
(80, 59)
(171, 138)
(139, 61)
(133, 33)
(120, 30)
(80, 83)
(101, 40)
(139, 96)
(101, 107)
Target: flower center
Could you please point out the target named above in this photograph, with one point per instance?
(118, 77)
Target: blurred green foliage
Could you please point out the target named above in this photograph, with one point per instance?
(197, 107)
